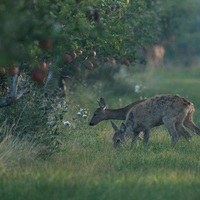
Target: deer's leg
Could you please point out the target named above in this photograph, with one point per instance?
(141, 136)
(134, 138)
(191, 125)
(169, 123)
(180, 128)
(146, 136)
(188, 122)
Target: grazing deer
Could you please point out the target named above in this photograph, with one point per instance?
(174, 111)
(155, 56)
(103, 113)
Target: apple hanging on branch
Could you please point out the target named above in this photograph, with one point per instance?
(2, 71)
(45, 44)
(112, 61)
(12, 71)
(73, 55)
(79, 52)
(90, 65)
(39, 75)
(68, 58)
(126, 62)
(93, 53)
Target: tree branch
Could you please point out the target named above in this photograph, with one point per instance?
(13, 96)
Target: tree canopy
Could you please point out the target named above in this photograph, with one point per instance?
(66, 32)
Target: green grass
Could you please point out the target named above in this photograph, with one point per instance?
(88, 167)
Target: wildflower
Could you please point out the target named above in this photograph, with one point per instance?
(137, 88)
(79, 113)
(51, 123)
(84, 116)
(66, 123)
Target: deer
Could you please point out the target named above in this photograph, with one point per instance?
(155, 55)
(174, 111)
(103, 113)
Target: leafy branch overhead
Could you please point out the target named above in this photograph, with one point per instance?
(80, 36)
(68, 25)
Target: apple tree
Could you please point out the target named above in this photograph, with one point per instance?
(73, 36)
(47, 44)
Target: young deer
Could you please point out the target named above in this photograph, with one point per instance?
(103, 113)
(174, 111)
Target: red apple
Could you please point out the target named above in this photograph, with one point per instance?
(39, 75)
(73, 55)
(93, 53)
(78, 69)
(79, 52)
(2, 71)
(13, 71)
(106, 59)
(112, 61)
(46, 44)
(44, 68)
(43, 65)
(127, 1)
(90, 65)
(125, 62)
(68, 57)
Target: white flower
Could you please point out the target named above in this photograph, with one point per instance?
(84, 116)
(51, 123)
(66, 123)
(78, 113)
(59, 105)
(137, 88)
(74, 126)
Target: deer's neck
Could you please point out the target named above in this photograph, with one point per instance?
(120, 113)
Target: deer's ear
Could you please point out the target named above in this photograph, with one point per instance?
(114, 125)
(123, 128)
(102, 103)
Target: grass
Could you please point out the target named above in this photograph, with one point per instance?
(88, 167)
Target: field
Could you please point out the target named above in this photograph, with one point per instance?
(88, 167)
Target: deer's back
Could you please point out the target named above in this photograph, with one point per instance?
(152, 111)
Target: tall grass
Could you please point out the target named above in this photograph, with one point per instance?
(88, 167)
(17, 152)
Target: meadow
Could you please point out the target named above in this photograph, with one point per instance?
(88, 167)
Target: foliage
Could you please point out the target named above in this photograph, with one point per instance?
(44, 31)
(180, 31)
(37, 117)
(35, 32)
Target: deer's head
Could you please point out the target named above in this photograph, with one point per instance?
(99, 114)
(119, 136)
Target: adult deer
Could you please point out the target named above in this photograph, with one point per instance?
(174, 111)
(155, 55)
(103, 113)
